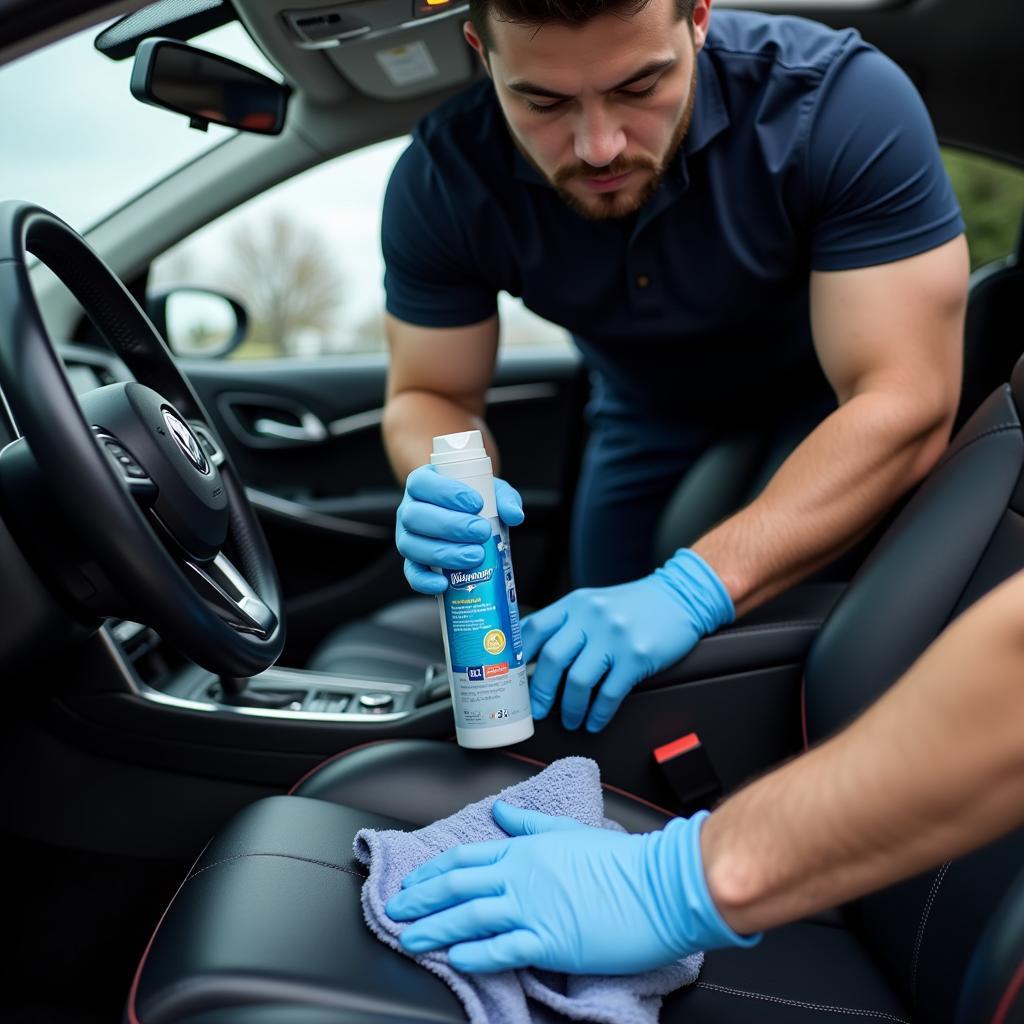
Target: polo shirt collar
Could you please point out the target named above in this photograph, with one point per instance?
(710, 116)
(710, 119)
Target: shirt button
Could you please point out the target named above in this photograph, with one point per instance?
(642, 280)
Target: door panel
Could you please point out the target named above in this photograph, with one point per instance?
(305, 437)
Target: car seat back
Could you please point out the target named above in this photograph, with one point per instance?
(994, 330)
(960, 535)
(732, 471)
(735, 468)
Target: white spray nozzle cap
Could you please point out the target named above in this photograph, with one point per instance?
(458, 447)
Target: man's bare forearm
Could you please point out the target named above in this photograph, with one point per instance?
(826, 495)
(933, 769)
(412, 418)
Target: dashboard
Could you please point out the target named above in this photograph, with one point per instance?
(83, 377)
(87, 369)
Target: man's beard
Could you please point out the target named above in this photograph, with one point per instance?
(612, 205)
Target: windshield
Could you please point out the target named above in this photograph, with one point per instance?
(79, 144)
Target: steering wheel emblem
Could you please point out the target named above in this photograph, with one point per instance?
(186, 441)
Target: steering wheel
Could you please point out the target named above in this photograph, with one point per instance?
(164, 532)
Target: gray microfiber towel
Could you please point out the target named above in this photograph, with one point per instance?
(570, 786)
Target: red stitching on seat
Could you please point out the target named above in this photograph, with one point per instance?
(336, 757)
(604, 785)
(507, 753)
(1011, 993)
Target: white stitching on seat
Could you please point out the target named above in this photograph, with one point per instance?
(880, 1014)
(923, 924)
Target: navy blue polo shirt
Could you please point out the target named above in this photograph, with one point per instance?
(808, 150)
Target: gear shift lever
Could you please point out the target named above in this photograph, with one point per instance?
(234, 690)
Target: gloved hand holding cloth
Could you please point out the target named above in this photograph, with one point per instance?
(437, 525)
(566, 897)
(539, 878)
(610, 638)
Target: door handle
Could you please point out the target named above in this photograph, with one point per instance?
(309, 431)
(270, 421)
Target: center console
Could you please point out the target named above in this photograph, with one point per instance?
(126, 694)
(159, 675)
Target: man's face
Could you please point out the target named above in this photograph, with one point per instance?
(599, 109)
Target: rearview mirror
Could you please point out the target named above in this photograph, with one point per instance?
(207, 88)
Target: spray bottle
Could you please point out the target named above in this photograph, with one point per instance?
(480, 616)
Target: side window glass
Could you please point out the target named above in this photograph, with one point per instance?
(991, 196)
(304, 260)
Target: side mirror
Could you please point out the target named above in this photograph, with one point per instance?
(207, 88)
(198, 323)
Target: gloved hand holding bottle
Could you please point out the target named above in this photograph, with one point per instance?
(566, 897)
(614, 637)
(437, 525)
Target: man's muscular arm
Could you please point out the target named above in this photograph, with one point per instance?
(885, 798)
(890, 341)
(437, 382)
(438, 385)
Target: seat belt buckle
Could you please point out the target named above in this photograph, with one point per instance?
(687, 768)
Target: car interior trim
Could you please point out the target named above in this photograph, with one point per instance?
(503, 395)
(210, 707)
(285, 508)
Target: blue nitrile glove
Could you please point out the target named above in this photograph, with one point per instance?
(437, 524)
(565, 897)
(620, 635)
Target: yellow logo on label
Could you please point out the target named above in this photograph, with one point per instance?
(494, 642)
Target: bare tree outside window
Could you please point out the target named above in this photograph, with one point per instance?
(285, 276)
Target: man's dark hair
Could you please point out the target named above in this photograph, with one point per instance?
(565, 12)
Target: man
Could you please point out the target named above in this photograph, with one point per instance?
(734, 221)
(871, 806)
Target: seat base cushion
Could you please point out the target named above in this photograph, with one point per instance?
(268, 926)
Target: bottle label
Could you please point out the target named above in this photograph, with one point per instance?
(485, 645)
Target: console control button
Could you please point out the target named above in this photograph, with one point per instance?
(376, 703)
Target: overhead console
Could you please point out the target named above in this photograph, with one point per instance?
(388, 50)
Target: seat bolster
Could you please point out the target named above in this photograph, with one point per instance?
(270, 919)
(421, 781)
(802, 973)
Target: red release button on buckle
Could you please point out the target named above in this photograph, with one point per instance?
(687, 769)
(680, 746)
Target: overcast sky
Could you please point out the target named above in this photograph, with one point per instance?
(78, 143)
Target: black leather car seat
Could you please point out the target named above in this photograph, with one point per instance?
(402, 639)
(269, 918)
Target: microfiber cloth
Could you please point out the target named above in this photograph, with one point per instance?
(572, 787)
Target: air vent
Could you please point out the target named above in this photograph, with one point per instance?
(322, 27)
